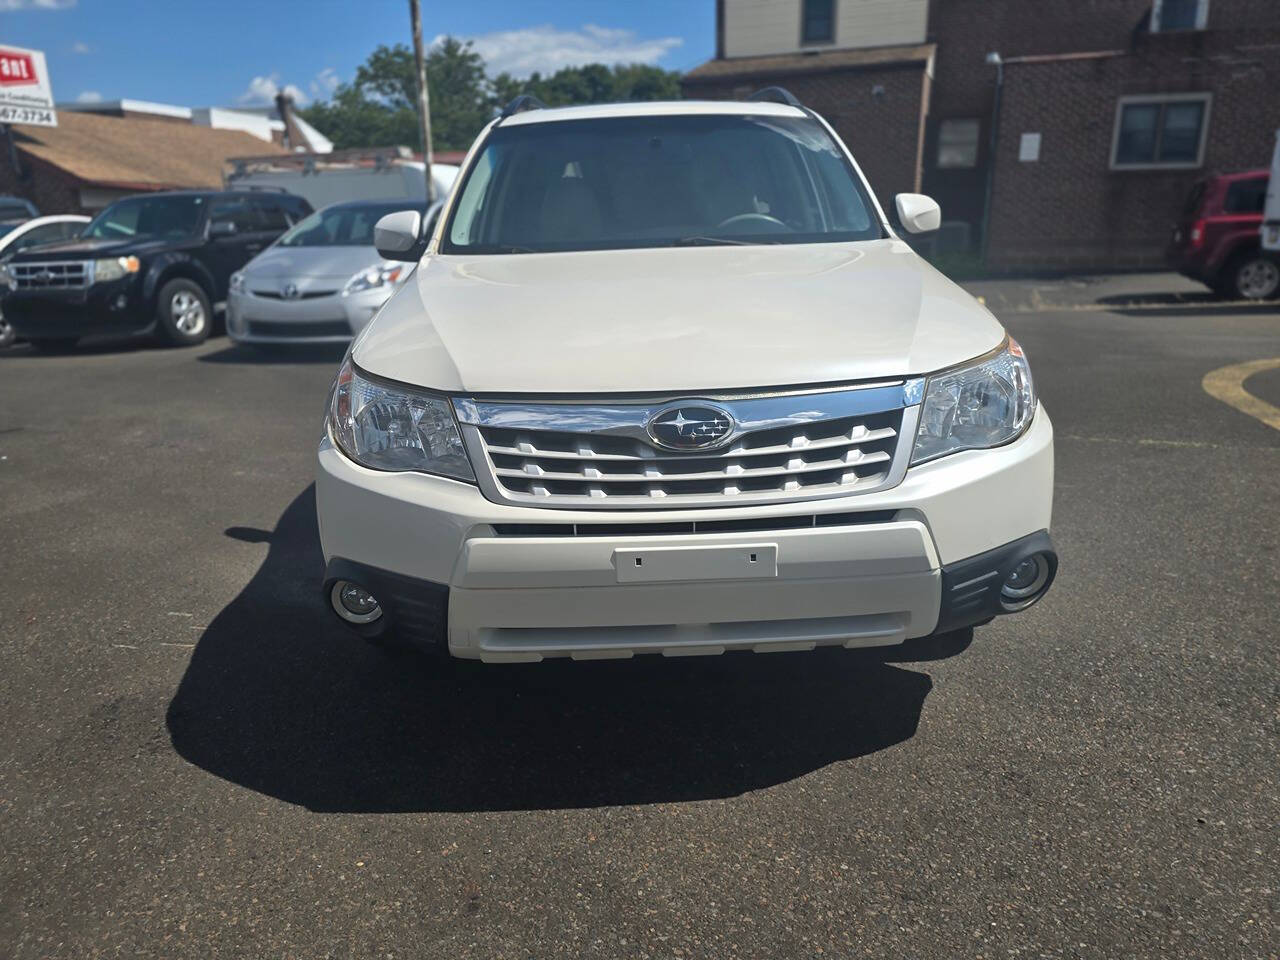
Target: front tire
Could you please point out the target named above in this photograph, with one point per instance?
(7, 336)
(1252, 276)
(184, 315)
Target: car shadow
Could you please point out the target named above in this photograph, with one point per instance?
(87, 347)
(278, 354)
(278, 697)
(96, 344)
(1162, 298)
(1199, 303)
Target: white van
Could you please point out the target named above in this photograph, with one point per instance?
(343, 176)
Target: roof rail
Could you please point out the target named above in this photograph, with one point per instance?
(526, 101)
(777, 95)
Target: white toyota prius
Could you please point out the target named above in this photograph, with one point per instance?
(666, 380)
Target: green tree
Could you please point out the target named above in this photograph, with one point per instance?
(377, 108)
(350, 119)
(593, 83)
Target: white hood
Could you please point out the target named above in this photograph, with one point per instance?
(674, 320)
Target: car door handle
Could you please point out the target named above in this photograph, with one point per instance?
(253, 247)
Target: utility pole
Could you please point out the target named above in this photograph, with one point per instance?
(993, 60)
(424, 103)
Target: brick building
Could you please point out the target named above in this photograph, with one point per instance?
(1107, 110)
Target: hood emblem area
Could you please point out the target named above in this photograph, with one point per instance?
(691, 426)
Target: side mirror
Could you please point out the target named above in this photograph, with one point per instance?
(918, 213)
(398, 236)
(222, 228)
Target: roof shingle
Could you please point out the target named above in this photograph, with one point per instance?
(137, 154)
(809, 62)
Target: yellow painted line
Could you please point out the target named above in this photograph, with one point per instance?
(1227, 384)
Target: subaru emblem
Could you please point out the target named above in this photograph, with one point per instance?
(691, 426)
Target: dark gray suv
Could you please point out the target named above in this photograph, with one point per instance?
(152, 264)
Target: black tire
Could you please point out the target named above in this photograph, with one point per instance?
(184, 315)
(7, 336)
(53, 344)
(1251, 275)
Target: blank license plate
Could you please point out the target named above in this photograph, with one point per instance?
(738, 562)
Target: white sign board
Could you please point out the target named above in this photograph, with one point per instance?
(1029, 148)
(25, 94)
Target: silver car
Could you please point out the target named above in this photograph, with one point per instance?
(321, 281)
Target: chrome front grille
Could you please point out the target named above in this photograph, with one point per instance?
(300, 295)
(54, 274)
(783, 447)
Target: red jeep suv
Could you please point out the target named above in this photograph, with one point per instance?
(1217, 239)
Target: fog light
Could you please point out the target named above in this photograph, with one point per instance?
(1025, 581)
(354, 603)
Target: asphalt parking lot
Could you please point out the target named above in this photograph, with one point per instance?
(199, 762)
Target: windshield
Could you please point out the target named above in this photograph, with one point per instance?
(658, 182)
(148, 216)
(340, 226)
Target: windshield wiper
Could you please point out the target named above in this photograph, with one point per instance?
(714, 241)
(500, 248)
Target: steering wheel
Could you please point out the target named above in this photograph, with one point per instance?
(745, 217)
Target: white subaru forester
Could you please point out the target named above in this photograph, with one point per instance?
(665, 380)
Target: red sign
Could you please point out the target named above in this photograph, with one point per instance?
(16, 69)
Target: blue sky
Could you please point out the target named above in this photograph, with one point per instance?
(223, 52)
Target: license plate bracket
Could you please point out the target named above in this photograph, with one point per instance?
(739, 561)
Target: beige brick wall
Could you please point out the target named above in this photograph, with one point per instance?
(755, 28)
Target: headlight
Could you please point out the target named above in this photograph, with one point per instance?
(983, 405)
(7, 279)
(393, 428)
(385, 275)
(237, 281)
(113, 268)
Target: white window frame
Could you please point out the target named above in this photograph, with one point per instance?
(835, 25)
(1157, 13)
(1146, 98)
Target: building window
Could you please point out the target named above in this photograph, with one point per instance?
(818, 21)
(958, 144)
(1160, 131)
(1167, 15)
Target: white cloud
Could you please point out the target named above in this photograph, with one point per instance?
(547, 49)
(79, 47)
(36, 4)
(89, 96)
(325, 82)
(262, 91)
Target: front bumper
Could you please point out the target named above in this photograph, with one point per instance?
(866, 570)
(329, 319)
(113, 307)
